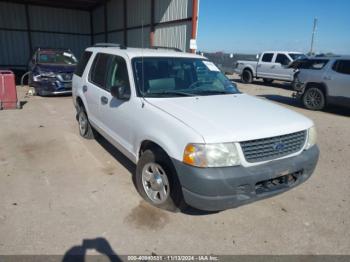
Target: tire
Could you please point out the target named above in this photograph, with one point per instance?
(267, 80)
(157, 182)
(247, 76)
(314, 99)
(85, 128)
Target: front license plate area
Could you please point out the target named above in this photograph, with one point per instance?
(282, 181)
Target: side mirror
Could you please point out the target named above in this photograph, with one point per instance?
(120, 92)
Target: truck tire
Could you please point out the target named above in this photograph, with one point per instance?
(247, 76)
(314, 99)
(157, 182)
(268, 81)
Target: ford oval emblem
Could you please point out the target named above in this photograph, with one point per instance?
(279, 146)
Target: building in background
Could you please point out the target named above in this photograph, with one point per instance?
(77, 24)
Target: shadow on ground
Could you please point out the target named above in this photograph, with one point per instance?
(297, 103)
(131, 167)
(79, 253)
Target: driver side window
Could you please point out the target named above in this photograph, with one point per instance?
(117, 74)
(282, 59)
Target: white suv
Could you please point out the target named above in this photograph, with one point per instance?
(194, 137)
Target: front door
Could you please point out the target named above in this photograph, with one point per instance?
(117, 115)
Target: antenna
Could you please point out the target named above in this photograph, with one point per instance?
(313, 36)
(142, 57)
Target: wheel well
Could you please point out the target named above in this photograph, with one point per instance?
(248, 69)
(80, 103)
(148, 144)
(317, 85)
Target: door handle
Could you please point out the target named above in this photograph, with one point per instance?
(85, 88)
(104, 100)
(273, 67)
(327, 78)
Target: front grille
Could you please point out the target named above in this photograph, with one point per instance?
(274, 147)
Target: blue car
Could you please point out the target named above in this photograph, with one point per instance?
(51, 71)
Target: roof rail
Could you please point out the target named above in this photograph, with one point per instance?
(167, 48)
(109, 45)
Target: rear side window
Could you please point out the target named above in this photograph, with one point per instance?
(99, 69)
(79, 70)
(342, 66)
(267, 57)
(282, 59)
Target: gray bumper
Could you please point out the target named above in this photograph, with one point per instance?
(215, 189)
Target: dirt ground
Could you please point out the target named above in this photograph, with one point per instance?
(59, 191)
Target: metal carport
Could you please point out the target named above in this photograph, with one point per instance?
(76, 24)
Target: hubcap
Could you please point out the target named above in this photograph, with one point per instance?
(313, 98)
(82, 123)
(155, 183)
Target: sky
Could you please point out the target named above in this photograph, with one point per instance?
(253, 26)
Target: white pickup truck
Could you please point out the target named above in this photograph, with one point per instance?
(272, 65)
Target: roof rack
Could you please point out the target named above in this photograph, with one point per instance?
(167, 48)
(110, 45)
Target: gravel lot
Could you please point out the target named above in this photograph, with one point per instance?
(58, 190)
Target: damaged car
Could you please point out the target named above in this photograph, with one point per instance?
(51, 71)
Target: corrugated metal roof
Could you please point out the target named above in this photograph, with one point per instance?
(14, 19)
(115, 14)
(76, 43)
(14, 51)
(174, 36)
(138, 11)
(170, 10)
(59, 20)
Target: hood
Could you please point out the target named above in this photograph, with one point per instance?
(232, 118)
(56, 68)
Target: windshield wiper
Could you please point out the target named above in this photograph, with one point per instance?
(214, 92)
(176, 93)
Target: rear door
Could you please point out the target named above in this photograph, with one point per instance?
(265, 65)
(93, 89)
(280, 69)
(338, 79)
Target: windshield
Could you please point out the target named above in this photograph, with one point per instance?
(57, 57)
(297, 56)
(171, 77)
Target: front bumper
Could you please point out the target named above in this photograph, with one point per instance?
(214, 189)
(53, 86)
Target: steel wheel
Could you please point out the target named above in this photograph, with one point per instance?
(314, 99)
(155, 183)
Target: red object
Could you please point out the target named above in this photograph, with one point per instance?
(8, 91)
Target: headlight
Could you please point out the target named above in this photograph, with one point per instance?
(312, 138)
(211, 155)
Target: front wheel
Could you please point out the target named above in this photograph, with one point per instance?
(314, 99)
(156, 181)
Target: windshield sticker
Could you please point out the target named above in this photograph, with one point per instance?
(211, 66)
